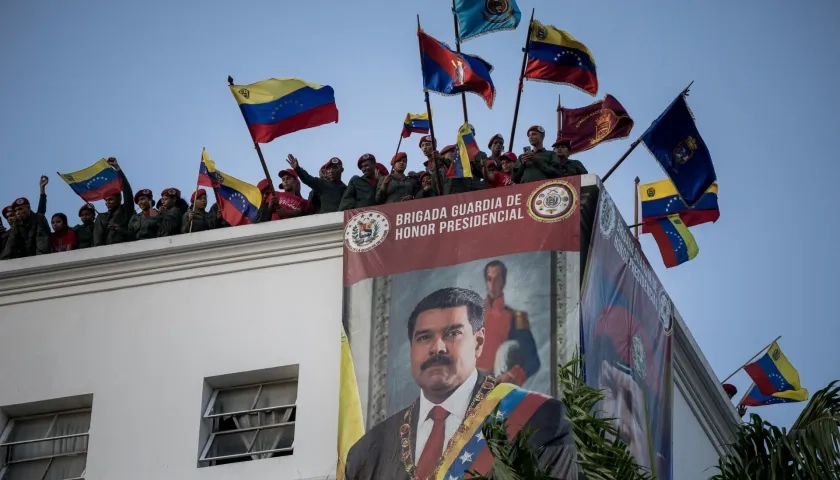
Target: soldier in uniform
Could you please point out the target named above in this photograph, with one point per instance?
(538, 163)
(330, 189)
(197, 219)
(381, 171)
(84, 230)
(396, 187)
(568, 166)
(361, 190)
(172, 212)
(9, 214)
(434, 164)
(510, 352)
(496, 146)
(112, 226)
(29, 235)
(144, 225)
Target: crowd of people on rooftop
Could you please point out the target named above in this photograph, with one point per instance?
(29, 232)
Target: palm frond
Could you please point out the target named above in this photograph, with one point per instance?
(810, 450)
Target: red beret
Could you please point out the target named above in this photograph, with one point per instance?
(88, 207)
(264, 185)
(7, 211)
(143, 193)
(171, 192)
(495, 137)
(367, 156)
(289, 171)
(730, 389)
(447, 149)
(427, 138)
(510, 156)
(536, 128)
(333, 161)
(398, 156)
(562, 141)
(424, 174)
(198, 193)
(382, 169)
(21, 202)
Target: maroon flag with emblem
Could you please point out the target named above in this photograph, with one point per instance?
(599, 122)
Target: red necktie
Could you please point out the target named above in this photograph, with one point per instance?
(434, 445)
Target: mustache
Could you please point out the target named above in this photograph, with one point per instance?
(436, 360)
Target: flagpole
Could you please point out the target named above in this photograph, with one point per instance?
(399, 143)
(86, 202)
(521, 81)
(741, 402)
(560, 118)
(259, 152)
(458, 49)
(636, 143)
(197, 183)
(750, 360)
(429, 112)
(636, 208)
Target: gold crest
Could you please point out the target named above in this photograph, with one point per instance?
(245, 92)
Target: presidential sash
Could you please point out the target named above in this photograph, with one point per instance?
(467, 450)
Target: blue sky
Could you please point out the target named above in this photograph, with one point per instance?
(146, 82)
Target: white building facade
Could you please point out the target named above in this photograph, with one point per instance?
(125, 359)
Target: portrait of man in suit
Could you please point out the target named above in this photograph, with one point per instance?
(439, 434)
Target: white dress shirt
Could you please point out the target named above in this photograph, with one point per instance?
(457, 405)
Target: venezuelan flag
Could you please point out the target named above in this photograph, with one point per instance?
(350, 424)
(557, 57)
(239, 201)
(467, 150)
(774, 375)
(675, 241)
(660, 199)
(94, 182)
(277, 107)
(754, 398)
(415, 123)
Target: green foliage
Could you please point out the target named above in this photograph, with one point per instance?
(810, 450)
(600, 452)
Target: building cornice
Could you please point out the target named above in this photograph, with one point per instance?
(179, 257)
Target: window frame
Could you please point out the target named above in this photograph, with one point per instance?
(210, 415)
(9, 428)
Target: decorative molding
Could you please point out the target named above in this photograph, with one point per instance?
(166, 259)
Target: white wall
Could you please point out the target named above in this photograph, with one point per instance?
(144, 350)
(694, 452)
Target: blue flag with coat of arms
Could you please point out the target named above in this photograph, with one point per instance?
(675, 142)
(478, 17)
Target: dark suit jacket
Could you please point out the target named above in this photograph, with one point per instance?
(376, 456)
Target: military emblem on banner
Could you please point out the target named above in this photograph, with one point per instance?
(552, 201)
(606, 215)
(685, 150)
(366, 231)
(245, 92)
(665, 312)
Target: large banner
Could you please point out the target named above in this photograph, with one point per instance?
(626, 320)
(458, 311)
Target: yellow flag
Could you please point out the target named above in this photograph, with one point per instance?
(350, 424)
